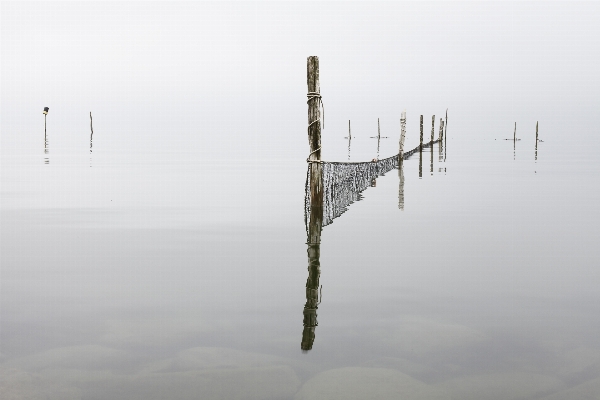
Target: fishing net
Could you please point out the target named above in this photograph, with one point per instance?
(344, 182)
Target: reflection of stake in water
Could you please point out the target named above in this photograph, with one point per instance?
(46, 148)
(536, 141)
(401, 186)
(91, 138)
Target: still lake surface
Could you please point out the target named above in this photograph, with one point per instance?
(166, 275)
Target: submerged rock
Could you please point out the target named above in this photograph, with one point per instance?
(367, 383)
(419, 336)
(501, 386)
(200, 358)
(16, 384)
(264, 383)
(77, 357)
(589, 390)
(403, 365)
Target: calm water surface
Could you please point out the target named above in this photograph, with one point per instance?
(165, 275)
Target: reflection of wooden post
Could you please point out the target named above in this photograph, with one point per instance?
(421, 137)
(315, 219)
(401, 187)
(312, 297)
(431, 162)
(420, 164)
(441, 138)
(432, 128)
(536, 139)
(91, 134)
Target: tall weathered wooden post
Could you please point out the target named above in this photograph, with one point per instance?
(315, 191)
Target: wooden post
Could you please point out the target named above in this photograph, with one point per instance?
(314, 111)
(421, 137)
(349, 131)
(515, 134)
(314, 140)
(432, 128)
(378, 138)
(402, 137)
(445, 134)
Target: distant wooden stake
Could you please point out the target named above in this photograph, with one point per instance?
(432, 127)
(378, 138)
(445, 134)
(421, 136)
(515, 134)
(441, 134)
(349, 131)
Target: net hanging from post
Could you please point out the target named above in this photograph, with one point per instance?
(344, 182)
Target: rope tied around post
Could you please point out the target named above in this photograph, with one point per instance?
(312, 96)
(313, 161)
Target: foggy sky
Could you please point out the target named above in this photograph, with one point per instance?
(236, 68)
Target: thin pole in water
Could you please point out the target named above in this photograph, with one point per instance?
(432, 127)
(421, 137)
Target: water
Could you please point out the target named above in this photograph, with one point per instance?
(155, 274)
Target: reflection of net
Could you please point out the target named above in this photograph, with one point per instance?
(343, 183)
